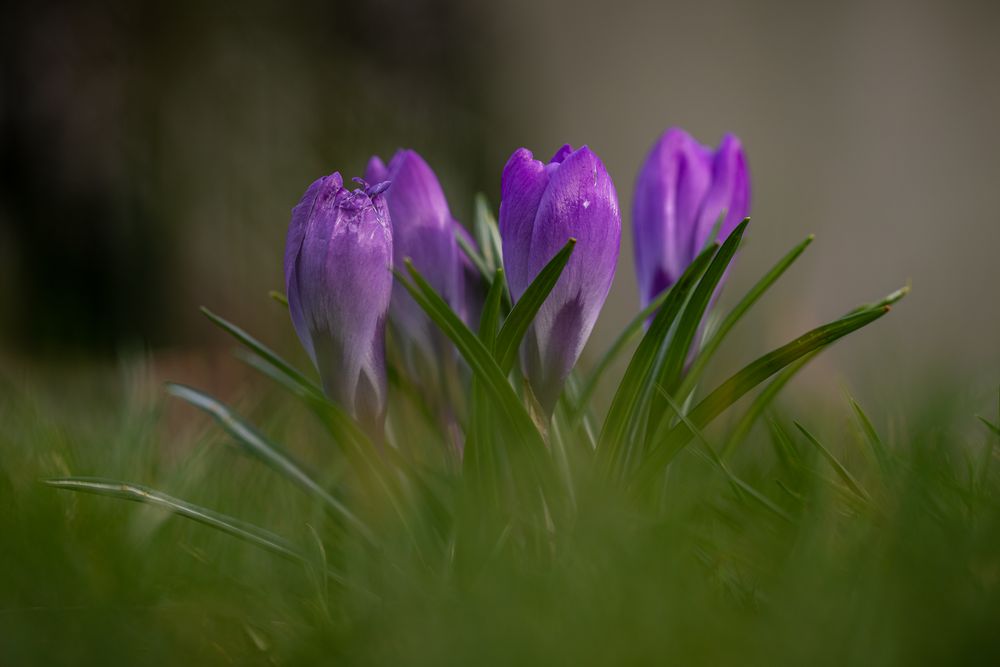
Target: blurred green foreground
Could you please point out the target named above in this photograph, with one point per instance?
(892, 560)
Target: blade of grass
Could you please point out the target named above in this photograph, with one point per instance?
(874, 441)
(255, 443)
(612, 445)
(628, 334)
(838, 467)
(487, 233)
(481, 362)
(667, 444)
(142, 494)
(737, 313)
(524, 311)
(711, 456)
(669, 374)
(489, 320)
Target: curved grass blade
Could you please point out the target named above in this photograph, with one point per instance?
(279, 297)
(628, 334)
(524, 311)
(838, 467)
(668, 443)
(481, 362)
(737, 313)
(679, 347)
(874, 441)
(487, 234)
(489, 320)
(767, 396)
(264, 351)
(761, 403)
(255, 443)
(637, 381)
(267, 361)
(711, 456)
(141, 494)
(474, 256)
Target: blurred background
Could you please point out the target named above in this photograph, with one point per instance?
(150, 153)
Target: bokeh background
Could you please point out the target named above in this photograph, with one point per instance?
(150, 153)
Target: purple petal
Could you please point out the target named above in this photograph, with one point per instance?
(521, 188)
(669, 192)
(579, 202)
(337, 274)
(730, 192)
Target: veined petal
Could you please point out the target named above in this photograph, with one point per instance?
(521, 188)
(669, 191)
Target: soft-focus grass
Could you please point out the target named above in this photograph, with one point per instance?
(910, 575)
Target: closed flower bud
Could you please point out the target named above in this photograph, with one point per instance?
(682, 189)
(542, 206)
(338, 256)
(422, 229)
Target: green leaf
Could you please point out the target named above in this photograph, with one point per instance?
(874, 441)
(841, 471)
(761, 403)
(256, 444)
(141, 494)
(487, 234)
(490, 317)
(526, 308)
(264, 359)
(630, 332)
(669, 374)
(279, 297)
(474, 256)
(737, 313)
(766, 397)
(476, 355)
(667, 444)
(710, 455)
(637, 382)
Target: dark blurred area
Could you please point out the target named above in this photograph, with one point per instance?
(150, 152)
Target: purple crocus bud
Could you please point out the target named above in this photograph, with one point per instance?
(542, 206)
(682, 189)
(338, 256)
(422, 229)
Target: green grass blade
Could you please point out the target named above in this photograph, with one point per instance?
(669, 375)
(637, 382)
(761, 403)
(524, 311)
(141, 494)
(667, 444)
(990, 425)
(737, 313)
(489, 320)
(481, 362)
(474, 256)
(279, 297)
(767, 396)
(255, 443)
(629, 333)
(874, 441)
(713, 457)
(264, 351)
(487, 233)
(838, 467)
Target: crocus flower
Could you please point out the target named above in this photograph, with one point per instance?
(542, 206)
(423, 231)
(682, 189)
(338, 256)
